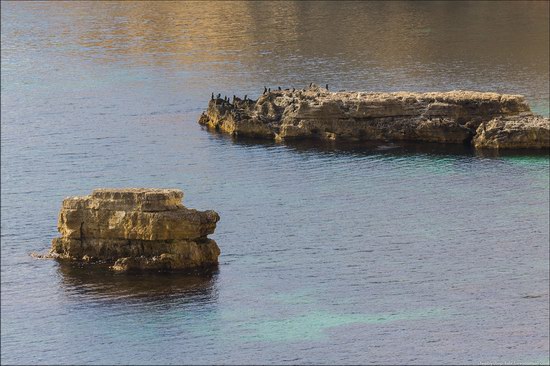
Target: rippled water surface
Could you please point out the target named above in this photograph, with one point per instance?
(330, 253)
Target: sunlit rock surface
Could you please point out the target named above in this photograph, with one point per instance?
(517, 132)
(136, 228)
(314, 112)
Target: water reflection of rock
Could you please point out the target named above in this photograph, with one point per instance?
(158, 30)
(167, 288)
(366, 148)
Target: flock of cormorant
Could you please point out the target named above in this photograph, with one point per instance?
(266, 90)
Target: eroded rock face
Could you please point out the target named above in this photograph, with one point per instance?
(519, 132)
(450, 117)
(136, 229)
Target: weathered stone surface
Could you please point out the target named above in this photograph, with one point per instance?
(140, 254)
(520, 132)
(136, 229)
(449, 117)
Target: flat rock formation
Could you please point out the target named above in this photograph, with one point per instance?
(456, 117)
(135, 228)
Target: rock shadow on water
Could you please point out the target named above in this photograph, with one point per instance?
(97, 283)
(386, 148)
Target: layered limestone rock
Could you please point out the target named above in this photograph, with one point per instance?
(518, 132)
(136, 229)
(449, 117)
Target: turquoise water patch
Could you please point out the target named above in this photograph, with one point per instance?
(251, 325)
(527, 160)
(541, 361)
(301, 297)
(312, 326)
(540, 107)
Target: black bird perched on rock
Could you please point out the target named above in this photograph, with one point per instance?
(219, 95)
(269, 90)
(310, 84)
(245, 97)
(212, 96)
(265, 90)
(293, 90)
(279, 88)
(326, 87)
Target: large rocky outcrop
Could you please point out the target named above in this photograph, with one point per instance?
(449, 117)
(136, 229)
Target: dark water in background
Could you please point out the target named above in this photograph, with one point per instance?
(330, 253)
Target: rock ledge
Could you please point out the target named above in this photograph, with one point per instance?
(136, 228)
(485, 120)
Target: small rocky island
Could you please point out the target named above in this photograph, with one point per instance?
(484, 120)
(136, 229)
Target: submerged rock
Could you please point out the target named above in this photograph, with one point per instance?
(136, 228)
(448, 117)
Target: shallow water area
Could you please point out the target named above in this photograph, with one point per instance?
(331, 253)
